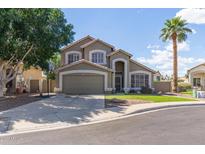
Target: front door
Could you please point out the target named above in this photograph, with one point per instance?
(118, 82)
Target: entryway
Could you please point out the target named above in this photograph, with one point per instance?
(118, 82)
(119, 76)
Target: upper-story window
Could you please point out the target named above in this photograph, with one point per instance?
(72, 56)
(98, 56)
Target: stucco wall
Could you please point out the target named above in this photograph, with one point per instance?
(162, 86)
(75, 47)
(134, 67)
(33, 73)
(97, 46)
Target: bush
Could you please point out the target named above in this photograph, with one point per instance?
(146, 90)
(182, 87)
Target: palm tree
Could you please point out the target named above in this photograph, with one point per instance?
(176, 31)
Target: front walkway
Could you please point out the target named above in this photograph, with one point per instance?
(61, 111)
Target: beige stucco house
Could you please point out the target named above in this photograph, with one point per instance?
(157, 76)
(33, 79)
(197, 76)
(92, 66)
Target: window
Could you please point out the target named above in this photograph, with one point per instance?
(98, 57)
(139, 80)
(196, 82)
(73, 57)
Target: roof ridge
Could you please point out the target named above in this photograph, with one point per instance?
(118, 50)
(77, 41)
(95, 40)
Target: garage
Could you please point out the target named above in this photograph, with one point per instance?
(83, 84)
(34, 86)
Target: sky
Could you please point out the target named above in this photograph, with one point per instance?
(137, 31)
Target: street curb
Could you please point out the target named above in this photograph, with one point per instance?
(135, 113)
(164, 107)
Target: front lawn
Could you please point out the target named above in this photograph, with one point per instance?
(149, 98)
(188, 92)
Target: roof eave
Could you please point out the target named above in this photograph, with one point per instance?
(81, 61)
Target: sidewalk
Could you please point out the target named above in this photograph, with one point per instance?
(53, 113)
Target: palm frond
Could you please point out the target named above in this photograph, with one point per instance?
(175, 25)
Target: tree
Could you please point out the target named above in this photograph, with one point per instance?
(31, 37)
(175, 30)
(53, 64)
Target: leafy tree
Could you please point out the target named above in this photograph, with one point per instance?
(53, 64)
(31, 37)
(175, 30)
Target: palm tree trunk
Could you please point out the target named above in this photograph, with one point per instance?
(175, 65)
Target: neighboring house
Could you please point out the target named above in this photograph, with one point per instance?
(32, 80)
(92, 66)
(157, 76)
(197, 76)
(183, 79)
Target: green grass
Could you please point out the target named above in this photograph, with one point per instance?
(188, 92)
(150, 98)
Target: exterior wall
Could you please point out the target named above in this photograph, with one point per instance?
(119, 66)
(162, 86)
(197, 72)
(198, 75)
(33, 74)
(97, 46)
(120, 57)
(134, 67)
(75, 47)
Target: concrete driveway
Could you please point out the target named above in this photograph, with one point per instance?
(55, 111)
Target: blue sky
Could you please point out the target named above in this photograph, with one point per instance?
(137, 31)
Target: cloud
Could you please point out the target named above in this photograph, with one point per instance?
(162, 60)
(193, 16)
(153, 46)
(184, 46)
(194, 31)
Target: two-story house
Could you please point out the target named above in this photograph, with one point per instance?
(92, 66)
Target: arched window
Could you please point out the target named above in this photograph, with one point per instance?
(72, 57)
(98, 56)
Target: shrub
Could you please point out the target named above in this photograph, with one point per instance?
(182, 87)
(146, 90)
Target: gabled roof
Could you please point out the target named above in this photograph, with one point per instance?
(96, 40)
(84, 61)
(120, 50)
(158, 72)
(75, 42)
(151, 70)
(203, 64)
